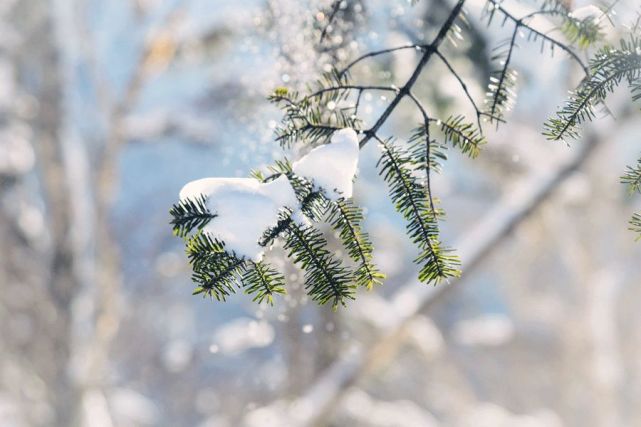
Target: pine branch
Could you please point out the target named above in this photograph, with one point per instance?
(216, 271)
(314, 117)
(632, 177)
(312, 202)
(260, 279)
(501, 94)
(325, 278)
(190, 214)
(437, 263)
(581, 32)
(347, 218)
(635, 224)
(610, 67)
(461, 135)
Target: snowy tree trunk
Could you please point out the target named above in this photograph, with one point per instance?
(39, 59)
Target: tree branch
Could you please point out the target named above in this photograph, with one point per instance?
(404, 91)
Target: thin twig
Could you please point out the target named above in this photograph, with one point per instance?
(335, 8)
(520, 23)
(377, 53)
(429, 51)
(478, 111)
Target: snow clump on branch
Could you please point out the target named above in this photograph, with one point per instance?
(245, 208)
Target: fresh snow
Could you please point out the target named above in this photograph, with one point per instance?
(245, 209)
(585, 12)
(332, 167)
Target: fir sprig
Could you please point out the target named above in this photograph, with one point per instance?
(462, 135)
(437, 262)
(219, 272)
(582, 32)
(635, 224)
(215, 270)
(316, 115)
(609, 68)
(501, 95)
(632, 177)
(262, 281)
(190, 214)
(326, 279)
(347, 218)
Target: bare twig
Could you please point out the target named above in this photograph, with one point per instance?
(335, 8)
(405, 90)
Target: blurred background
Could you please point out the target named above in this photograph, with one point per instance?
(108, 107)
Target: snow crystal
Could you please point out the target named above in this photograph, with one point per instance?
(245, 209)
(332, 167)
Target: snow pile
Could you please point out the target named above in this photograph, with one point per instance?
(332, 167)
(245, 209)
(585, 12)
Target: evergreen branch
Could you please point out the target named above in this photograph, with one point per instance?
(422, 152)
(201, 247)
(315, 121)
(500, 95)
(312, 202)
(190, 214)
(216, 271)
(285, 220)
(582, 32)
(347, 218)
(610, 66)
(632, 177)
(635, 224)
(261, 279)
(462, 135)
(437, 263)
(325, 278)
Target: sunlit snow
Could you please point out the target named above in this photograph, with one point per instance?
(245, 209)
(332, 167)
